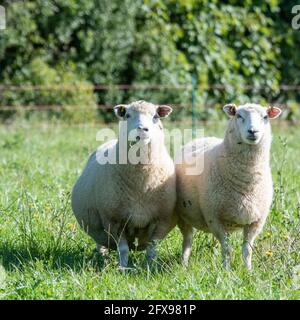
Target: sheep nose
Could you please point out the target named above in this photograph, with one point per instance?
(252, 131)
(143, 128)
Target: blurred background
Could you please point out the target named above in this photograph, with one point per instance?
(72, 61)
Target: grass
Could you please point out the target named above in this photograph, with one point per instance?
(45, 255)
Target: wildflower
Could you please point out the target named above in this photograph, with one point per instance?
(269, 253)
(72, 226)
(285, 235)
(269, 234)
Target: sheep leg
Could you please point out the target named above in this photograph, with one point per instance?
(250, 233)
(123, 250)
(187, 234)
(151, 251)
(226, 251)
(151, 247)
(222, 235)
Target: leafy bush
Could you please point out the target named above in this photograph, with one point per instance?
(233, 43)
(61, 87)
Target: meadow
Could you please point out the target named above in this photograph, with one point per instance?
(45, 255)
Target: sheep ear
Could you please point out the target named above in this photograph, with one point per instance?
(120, 110)
(163, 111)
(273, 112)
(230, 109)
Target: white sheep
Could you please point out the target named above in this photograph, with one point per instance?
(234, 189)
(131, 205)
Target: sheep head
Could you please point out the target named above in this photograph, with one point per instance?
(251, 121)
(142, 119)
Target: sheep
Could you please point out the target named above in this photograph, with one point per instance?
(129, 205)
(234, 190)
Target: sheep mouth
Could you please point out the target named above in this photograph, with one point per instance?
(139, 139)
(252, 138)
(142, 137)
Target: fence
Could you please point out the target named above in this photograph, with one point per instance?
(104, 87)
(192, 106)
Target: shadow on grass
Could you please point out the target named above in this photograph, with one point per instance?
(12, 257)
(18, 257)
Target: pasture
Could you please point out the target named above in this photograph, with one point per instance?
(45, 255)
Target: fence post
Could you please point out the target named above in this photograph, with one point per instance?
(194, 98)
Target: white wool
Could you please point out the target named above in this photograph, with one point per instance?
(235, 189)
(124, 205)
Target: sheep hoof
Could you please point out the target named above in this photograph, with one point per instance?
(150, 262)
(185, 263)
(124, 269)
(226, 265)
(249, 267)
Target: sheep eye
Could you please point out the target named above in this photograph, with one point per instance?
(127, 116)
(239, 116)
(266, 117)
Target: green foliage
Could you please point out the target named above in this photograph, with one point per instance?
(76, 103)
(289, 40)
(232, 43)
(225, 44)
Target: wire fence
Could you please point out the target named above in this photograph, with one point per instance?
(50, 107)
(141, 86)
(149, 86)
(189, 105)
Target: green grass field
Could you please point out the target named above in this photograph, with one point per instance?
(45, 255)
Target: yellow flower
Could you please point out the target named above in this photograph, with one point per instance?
(72, 226)
(269, 253)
